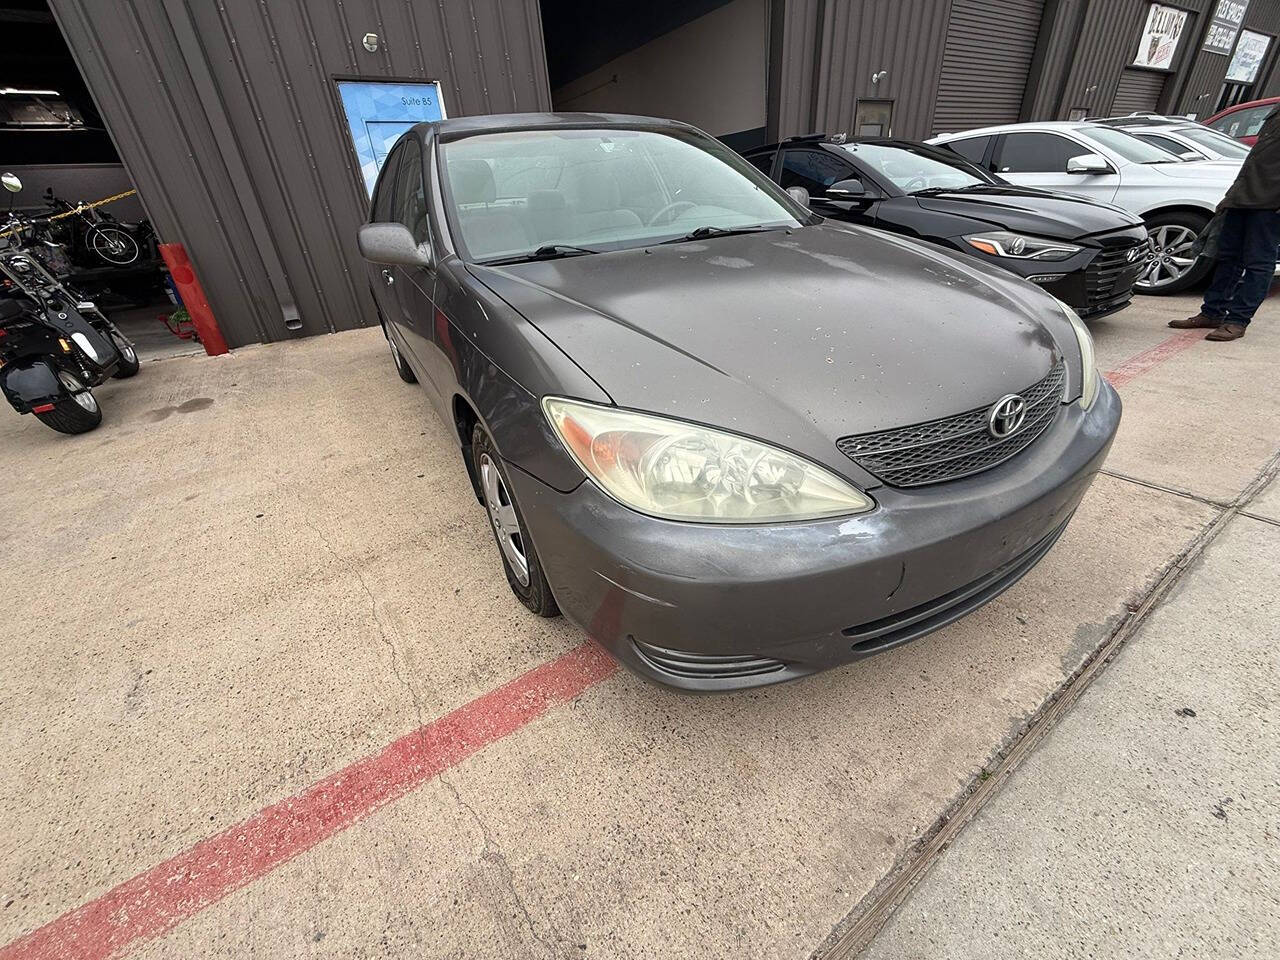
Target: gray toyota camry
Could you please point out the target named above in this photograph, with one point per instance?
(734, 442)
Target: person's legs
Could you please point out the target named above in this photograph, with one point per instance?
(1261, 236)
(1226, 277)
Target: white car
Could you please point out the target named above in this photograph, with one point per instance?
(1175, 198)
(1188, 139)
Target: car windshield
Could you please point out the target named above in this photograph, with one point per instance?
(1130, 147)
(557, 192)
(1219, 143)
(912, 169)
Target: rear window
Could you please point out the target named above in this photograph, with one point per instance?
(972, 149)
(1244, 123)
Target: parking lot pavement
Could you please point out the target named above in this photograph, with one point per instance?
(1145, 825)
(267, 692)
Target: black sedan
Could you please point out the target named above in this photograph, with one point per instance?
(1087, 254)
(734, 442)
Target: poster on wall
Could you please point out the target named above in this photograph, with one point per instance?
(1247, 60)
(378, 111)
(1160, 37)
(1224, 25)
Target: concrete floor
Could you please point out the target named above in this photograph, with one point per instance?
(267, 566)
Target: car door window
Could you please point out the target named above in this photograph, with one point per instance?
(815, 170)
(1164, 143)
(1244, 123)
(762, 161)
(1036, 153)
(384, 192)
(410, 201)
(973, 149)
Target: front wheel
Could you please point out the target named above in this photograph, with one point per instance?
(1173, 267)
(78, 413)
(129, 363)
(519, 559)
(113, 245)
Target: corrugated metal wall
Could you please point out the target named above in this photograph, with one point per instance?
(1204, 82)
(227, 117)
(863, 37)
(986, 60)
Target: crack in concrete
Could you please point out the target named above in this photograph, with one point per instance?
(1176, 491)
(492, 853)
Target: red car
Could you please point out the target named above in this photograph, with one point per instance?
(1244, 119)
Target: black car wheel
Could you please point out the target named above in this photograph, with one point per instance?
(129, 363)
(1173, 267)
(519, 558)
(402, 368)
(78, 413)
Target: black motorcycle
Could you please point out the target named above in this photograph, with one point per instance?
(95, 237)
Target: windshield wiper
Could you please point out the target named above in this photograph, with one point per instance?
(548, 251)
(702, 233)
(934, 191)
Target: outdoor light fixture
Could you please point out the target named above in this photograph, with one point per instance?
(370, 41)
(877, 77)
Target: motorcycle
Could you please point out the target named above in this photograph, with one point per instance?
(54, 346)
(96, 233)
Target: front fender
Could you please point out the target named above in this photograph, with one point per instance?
(30, 383)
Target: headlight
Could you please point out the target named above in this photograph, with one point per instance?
(1088, 362)
(681, 471)
(1002, 243)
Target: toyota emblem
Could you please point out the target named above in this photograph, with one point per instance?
(1006, 416)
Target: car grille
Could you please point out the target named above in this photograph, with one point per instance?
(936, 613)
(956, 446)
(1109, 278)
(701, 666)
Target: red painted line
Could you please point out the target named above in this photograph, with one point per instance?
(1140, 363)
(155, 901)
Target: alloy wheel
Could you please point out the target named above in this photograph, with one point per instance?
(1171, 256)
(502, 515)
(78, 392)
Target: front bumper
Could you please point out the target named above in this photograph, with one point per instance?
(707, 607)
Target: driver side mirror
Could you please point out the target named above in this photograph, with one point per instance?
(1089, 164)
(391, 243)
(800, 195)
(851, 189)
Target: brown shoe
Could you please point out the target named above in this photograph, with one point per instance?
(1228, 331)
(1198, 322)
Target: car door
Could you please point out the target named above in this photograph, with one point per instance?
(415, 286)
(1038, 158)
(815, 169)
(381, 276)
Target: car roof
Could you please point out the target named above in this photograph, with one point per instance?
(455, 127)
(838, 140)
(1044, 125)
(1264, 102)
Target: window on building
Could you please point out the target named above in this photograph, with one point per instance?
(972, 149)
(1036, 153)
(411, 201)
(384, 194)
(815, 170)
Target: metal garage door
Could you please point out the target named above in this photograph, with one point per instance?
(1139, 92)
(984, 66)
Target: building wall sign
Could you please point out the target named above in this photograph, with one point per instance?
(1159, 41)
(378, 111)
(1247, 60)
(1225, 24)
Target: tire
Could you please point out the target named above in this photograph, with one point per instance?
(402, 368)
(113, 245)
(78, 414)
(129, 363)
(506, 523)
(1172, 270)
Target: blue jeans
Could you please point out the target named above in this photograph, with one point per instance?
(1247, 256)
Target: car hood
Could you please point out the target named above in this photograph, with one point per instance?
(1209, 171)
(1040, 212)
(826, 330)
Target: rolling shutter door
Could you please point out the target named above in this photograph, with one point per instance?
(988, 54)
(1138, 92)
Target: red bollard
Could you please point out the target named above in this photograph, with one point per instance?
(188, 284)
